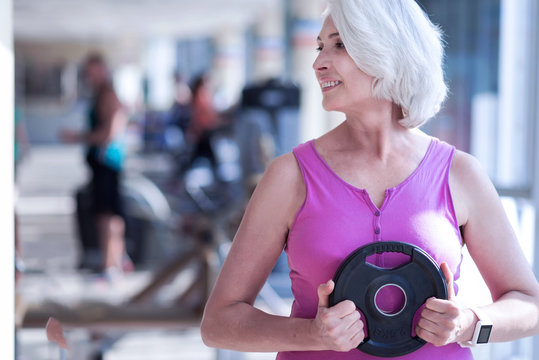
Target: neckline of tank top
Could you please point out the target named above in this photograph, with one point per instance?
(391, 189)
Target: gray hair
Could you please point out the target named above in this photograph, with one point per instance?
(395, 42)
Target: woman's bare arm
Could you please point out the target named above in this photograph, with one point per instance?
(495, 250)
(498, 256)
(230, 320)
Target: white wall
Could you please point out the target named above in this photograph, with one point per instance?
(513, 85)
(6, 177)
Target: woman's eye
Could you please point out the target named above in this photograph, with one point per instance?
(339, 45)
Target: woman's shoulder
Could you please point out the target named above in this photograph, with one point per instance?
(284, 169)
(470, 185)
(281, 188)
(466, 168)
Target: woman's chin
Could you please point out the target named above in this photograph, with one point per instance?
(333, 108)
(329, 106)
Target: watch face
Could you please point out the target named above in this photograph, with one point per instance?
(484, 334)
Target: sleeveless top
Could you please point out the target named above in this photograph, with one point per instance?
(111, 155)
(336, 218)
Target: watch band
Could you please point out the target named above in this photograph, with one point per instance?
(482, 329)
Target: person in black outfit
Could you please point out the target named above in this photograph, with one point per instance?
(105, 155)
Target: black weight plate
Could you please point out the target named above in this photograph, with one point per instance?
(389, 334)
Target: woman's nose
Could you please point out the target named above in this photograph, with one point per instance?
(320, 63)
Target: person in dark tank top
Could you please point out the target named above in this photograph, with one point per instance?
(105, 156)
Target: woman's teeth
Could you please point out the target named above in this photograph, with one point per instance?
(330, 84)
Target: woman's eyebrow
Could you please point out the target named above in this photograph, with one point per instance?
(332, 35)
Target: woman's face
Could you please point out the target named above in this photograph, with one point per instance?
(344, 86)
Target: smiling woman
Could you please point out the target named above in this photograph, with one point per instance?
(374, 178)
(402, 50)
(334, 65)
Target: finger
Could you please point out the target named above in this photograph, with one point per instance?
(355, 328)
(450, 308)
(428, 325)
(426, 335)
(357, 338)
(449, 279)
(431, 315)
(346, 326)
(323, 293)
(353, 320)
(343, 309)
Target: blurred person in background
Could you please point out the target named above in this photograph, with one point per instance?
(204, 119)
(107, 120)
(180, 112)
(179, 118)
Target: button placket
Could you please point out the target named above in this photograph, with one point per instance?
(377, 229)
(377, 226)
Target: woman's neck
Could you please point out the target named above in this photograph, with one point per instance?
(374, 131)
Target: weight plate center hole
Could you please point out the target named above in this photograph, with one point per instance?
(390, 299)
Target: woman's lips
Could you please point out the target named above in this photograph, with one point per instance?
(329, 85)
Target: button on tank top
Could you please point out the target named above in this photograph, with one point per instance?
(336, 218)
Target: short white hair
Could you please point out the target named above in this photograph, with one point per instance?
(395, 42)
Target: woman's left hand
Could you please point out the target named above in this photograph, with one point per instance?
(445, 321)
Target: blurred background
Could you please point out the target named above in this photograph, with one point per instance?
(184, 195)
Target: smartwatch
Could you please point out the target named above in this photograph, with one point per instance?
(482, 330)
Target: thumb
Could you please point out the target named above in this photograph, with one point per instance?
(323, 293)
(449, 279)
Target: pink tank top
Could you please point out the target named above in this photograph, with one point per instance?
(336, 218)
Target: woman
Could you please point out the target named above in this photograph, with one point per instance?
(375, 177)
(105, 156)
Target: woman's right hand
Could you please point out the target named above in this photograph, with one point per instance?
(339, 327)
